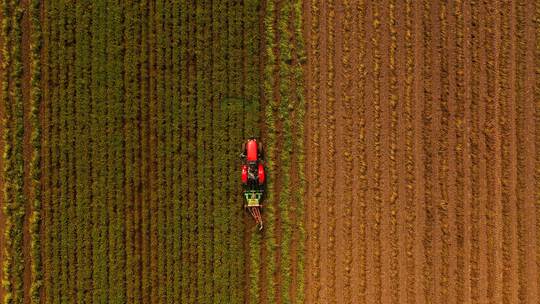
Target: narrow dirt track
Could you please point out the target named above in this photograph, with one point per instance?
(28, 150)
(421, 152)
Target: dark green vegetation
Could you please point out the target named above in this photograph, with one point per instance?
(121, 135)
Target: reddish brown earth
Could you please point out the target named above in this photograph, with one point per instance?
(27, 144)
(422, 138)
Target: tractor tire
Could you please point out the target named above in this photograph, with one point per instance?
(261, 174)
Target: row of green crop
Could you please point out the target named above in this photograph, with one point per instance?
(165, 10)
(144, 148)
(270, 152)
(298, 139)
(203, 134)
(192, 153)
(207, 100)
(153, 119)
(132, 155)
(83, 156)
(61, 170)
(284, 113)
(8, 124)
(35, 161)
(178, 74)
(18, 197)
(184, 155)
(116, 99)
(64, 104)
(287, 101)
(236, 89)
(47, 239)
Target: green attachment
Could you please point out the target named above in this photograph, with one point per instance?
(253, 197)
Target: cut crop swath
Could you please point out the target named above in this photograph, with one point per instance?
(284, 115)
(270, 94)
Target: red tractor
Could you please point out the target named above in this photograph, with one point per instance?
(253, 178)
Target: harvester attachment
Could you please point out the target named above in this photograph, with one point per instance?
(254, 206)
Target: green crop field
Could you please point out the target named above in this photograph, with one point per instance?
(122, 126)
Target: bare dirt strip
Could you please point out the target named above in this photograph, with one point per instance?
(420, 142)
(27, 144)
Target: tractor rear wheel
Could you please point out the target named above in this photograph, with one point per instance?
(260, 174)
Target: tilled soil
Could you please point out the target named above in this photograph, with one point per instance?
(421, 148)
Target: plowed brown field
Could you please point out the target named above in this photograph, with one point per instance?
(422, 143)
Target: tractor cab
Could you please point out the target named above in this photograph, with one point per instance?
(252, 168)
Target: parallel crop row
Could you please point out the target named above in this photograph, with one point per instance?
(203, 102)
(174, 239)
(270, 142)
(162, 128)
(347, 86)
(144, 152)
(331, 150)
(132, 155)
(409, 154)
(443, 154)
(35, 162)
(81, 154)
(475, 143)
(360, 196)
(315, 136)
(13, 157)
(184, 156)
(394, 200)
(460, 147)
(220, 220)
(378, 201)
(286, 100)
(427, 238)
(493, 210)
(298, 139)
(284, 112)
(7, 153)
